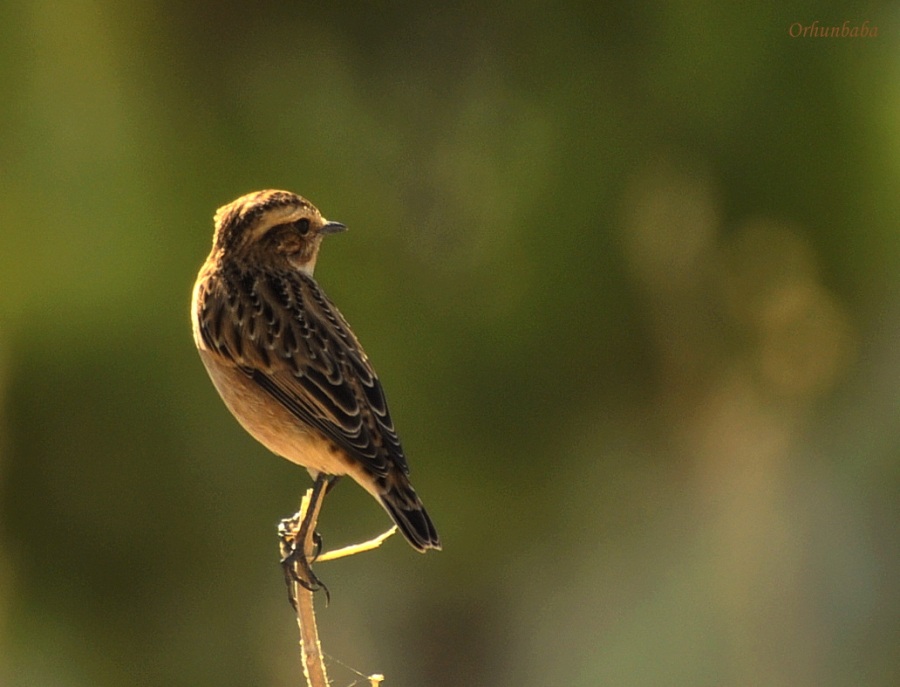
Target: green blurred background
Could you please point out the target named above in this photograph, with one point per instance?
(629, 276)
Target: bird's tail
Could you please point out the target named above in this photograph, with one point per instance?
(406, 509)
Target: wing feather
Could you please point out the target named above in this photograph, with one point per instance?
(287, 336)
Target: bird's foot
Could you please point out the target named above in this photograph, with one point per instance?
(296, 565)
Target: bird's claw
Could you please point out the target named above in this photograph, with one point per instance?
(297, 570)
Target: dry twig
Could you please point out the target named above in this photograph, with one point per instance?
(301, 595)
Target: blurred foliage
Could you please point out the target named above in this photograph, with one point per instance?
(629, 275)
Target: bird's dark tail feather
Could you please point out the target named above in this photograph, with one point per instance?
(406, 510)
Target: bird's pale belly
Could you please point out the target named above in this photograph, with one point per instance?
(273, 425)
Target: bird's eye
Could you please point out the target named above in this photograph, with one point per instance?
(302, 226)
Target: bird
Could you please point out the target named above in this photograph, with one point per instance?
(286, 362)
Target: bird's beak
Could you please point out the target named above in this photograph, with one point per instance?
(332, 228)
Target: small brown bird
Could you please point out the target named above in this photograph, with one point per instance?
(285, 361)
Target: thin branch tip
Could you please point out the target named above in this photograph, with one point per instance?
(298, 544)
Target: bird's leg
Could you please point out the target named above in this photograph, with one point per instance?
(332, 481)
(295, 562)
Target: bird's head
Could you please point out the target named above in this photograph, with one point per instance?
(272, 226)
